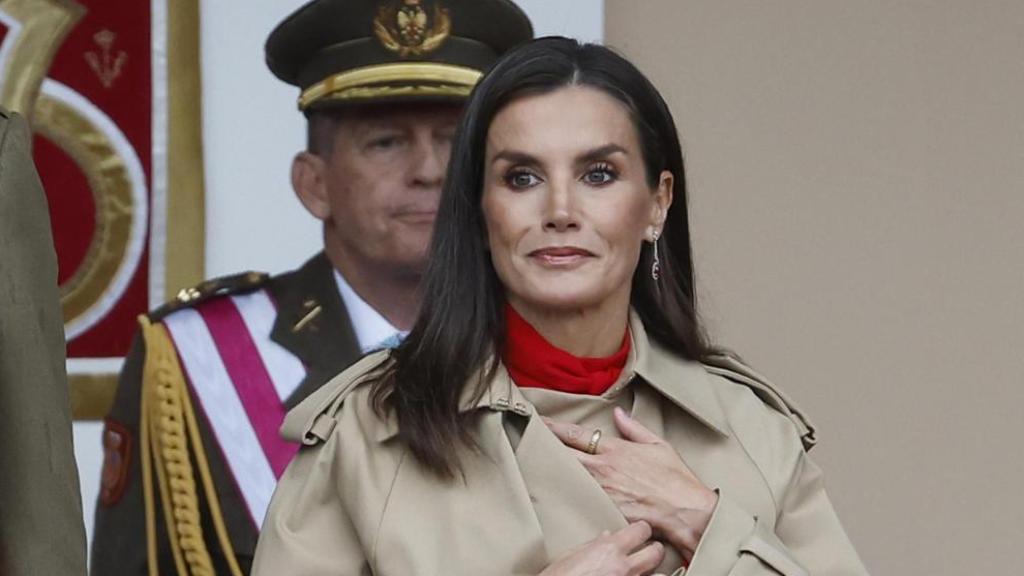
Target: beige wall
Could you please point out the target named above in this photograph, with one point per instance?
(857, 191)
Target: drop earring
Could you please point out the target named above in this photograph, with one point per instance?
(656, 263)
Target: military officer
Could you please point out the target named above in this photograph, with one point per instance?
(192, 446)
(41, 529)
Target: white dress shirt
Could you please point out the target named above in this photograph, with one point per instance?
(372, 329)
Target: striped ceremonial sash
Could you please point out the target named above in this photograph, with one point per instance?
(241, 379)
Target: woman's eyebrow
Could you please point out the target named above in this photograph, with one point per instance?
(600, 152)
(517, 157)
(514, 157)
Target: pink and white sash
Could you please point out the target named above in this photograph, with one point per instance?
(241, 379)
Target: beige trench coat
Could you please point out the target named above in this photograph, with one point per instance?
(355, 502)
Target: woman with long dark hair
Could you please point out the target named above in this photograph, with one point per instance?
(538, 416)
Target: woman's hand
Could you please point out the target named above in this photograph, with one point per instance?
(627, 552)
(646, 479)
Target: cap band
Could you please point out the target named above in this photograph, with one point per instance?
(399, 79)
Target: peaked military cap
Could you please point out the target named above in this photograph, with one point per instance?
(342, 51)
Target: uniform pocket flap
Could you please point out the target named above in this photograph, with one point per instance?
(767, 548)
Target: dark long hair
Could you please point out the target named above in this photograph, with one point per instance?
(457, 338)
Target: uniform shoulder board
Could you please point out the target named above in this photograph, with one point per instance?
(223, 286)
(731, 368)
(314, 419)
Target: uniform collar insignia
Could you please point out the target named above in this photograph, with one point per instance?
(311, 310)
(404, 27)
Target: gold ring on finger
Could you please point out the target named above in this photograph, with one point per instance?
(594, 439)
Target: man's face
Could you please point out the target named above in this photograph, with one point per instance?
(382, 181)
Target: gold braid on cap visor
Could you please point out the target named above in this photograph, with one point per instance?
(389, 80)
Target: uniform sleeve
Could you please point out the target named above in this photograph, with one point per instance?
(307, 530)
(807, 538)
(119, 533)
(41, 528)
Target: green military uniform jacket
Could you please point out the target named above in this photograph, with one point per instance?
(311, 324)
(41, 529)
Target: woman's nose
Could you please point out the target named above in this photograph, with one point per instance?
(559, 215)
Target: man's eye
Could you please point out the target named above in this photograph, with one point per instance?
(522, 179)
(600, 175)
(385, 142)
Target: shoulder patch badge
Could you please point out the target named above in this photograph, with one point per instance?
(117, 450)
(403, 26)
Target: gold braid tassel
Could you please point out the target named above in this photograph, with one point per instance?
(168, 410)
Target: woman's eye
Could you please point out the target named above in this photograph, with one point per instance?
(600, 175)
(521, 180)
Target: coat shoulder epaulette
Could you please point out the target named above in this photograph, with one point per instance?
(313, 420)
(215, 287)
(735, 370)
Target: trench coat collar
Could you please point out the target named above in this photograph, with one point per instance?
(683, 382)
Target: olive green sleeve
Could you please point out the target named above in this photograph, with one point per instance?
(119, 529)
(41, 527)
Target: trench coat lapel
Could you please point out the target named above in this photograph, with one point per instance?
(676, 399)
(570, 506)
(312, 324)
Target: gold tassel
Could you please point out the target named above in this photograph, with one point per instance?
(167, 410)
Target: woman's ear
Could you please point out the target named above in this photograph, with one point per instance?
(662, 200)
(309, 181)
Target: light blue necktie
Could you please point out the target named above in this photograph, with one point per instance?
(391, 341)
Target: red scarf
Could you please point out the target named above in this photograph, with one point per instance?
(533, 362)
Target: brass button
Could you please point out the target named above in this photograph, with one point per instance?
(186, 295)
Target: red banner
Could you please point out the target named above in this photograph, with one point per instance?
(92, 76)
(102, 72)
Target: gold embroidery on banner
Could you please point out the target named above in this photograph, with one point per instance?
(43, 26)
(405, 28)
(111, 186)
(107, 67)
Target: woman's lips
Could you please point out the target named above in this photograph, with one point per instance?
(561, 256)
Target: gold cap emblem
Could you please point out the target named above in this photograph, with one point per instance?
(403, 26)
